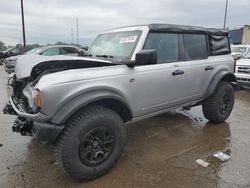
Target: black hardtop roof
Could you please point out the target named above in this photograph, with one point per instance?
(186, 29)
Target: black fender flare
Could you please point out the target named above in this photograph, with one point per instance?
(223, 75)
(84, 99)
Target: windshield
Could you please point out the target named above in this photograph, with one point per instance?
(247, 56)
(239, 49)
(118, 46)
(33, 51)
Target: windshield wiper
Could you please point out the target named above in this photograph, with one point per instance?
(105, 56)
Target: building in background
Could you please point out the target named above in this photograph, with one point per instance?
(235, 36)
(240, 36)
(246, 35)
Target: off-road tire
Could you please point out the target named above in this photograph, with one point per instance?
(67, 147)
(211, 105)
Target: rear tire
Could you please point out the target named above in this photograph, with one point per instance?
(218, 107)
(91, 143)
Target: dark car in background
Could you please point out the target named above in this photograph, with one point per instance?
(10, 62)
(13, 52)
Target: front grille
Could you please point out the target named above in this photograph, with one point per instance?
(244, 69)
(243, 79)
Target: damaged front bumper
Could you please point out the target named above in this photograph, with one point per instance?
(32, 124)
(28, 124)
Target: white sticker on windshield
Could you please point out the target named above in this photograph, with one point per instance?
(128, 39)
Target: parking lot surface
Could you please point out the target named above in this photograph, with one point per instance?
(161, 152)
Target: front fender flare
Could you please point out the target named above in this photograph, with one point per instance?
(78, 102)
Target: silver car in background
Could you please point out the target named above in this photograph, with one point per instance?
(242, 71)
(239, 51)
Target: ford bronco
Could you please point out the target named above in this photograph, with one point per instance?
(81, 104)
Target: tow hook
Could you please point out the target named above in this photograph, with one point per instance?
(23, 126)
(8, 109)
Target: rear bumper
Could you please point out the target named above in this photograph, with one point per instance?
(46, 133)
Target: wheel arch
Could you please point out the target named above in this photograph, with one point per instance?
(223, 75)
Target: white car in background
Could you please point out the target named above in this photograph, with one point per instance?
(10, 62)
(239, 51)
(242, 71)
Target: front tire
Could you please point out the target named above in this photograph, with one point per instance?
(218, 107)
(91, 143)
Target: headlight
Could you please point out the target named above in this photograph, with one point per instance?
(12, 61)
(34, 98)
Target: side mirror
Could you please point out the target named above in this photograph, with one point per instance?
(146, 57)
(85, 48)
(237, 56)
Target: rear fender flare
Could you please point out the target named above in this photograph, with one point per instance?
(223, 75)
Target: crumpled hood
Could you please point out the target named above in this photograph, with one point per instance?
(26, 63)
(243, 62)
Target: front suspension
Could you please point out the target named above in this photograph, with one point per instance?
(23, 126)
(8, 109)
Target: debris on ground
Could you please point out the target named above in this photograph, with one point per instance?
(222, 156)
(202, 162)
(1, 145)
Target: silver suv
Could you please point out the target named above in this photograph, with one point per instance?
(131, 73)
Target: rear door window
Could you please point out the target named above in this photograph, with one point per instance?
(166, 45)
(68, 50)
(195, 46)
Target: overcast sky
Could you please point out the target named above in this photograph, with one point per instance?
(49, 21)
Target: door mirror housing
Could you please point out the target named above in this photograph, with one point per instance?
(146, 57)
(237, 56)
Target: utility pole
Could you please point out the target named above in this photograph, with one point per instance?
(72, 36)
(77, 34)
(225, 17)
(24, 40)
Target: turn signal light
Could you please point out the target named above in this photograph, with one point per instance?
(38, 101)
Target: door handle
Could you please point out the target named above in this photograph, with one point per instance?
(177, 72)
(209, 68)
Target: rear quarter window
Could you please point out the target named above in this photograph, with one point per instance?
(219, 45)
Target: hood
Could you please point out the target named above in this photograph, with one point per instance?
(243, 62)
(77, 76)
(35, 65)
